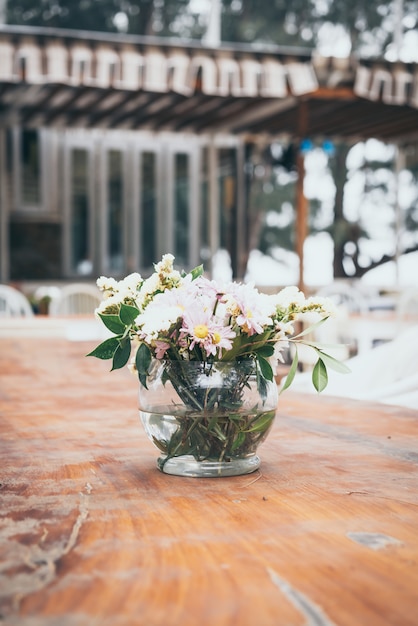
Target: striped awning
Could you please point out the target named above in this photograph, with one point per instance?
(78, 79)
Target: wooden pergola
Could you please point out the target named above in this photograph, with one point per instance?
(67, 79)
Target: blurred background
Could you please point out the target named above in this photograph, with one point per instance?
(226, 132)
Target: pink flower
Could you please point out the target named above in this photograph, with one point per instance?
(253, 311)
(161, 348)
(203, 329)
(221, 339)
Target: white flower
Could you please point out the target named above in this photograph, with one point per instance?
(279, 347)
(106, 284)
(130, 282)
(327, 305)
(166, 263)
(188, 317)
(113, 301)
(156, 320)
(288, 296)
(283, 330)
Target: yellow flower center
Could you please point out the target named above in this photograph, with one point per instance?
(201, 331)
(216, 337)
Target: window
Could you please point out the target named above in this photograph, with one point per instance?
(80, 213)
(30, 167)
(181, 209)
(115, 211)
(227, 200)
(204, 229)
(148, 201)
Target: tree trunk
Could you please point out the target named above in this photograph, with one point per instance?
(340, 226)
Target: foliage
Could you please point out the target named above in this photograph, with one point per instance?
(185, 317)
(214, 343)
(361, 223)
(354, 225)
(140, 17)
(369, 25)
(63, 14)
(218, 411)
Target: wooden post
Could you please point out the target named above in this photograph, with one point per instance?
(240, 222)
(301, 217)
(4, 212)
(301, 201)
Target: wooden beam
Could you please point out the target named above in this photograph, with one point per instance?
(334, 93)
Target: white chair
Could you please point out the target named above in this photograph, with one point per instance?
(76, 299)
(332, 335)
(336, 333)
(387, 373)
(407, 305)
(13, 303)
(346, 295)
(352, 305)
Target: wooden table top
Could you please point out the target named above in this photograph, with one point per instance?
(92, 534)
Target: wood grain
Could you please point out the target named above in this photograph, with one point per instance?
(326, 533)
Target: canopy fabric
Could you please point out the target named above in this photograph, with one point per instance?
(77, 79)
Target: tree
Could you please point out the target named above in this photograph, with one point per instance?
(139, 17)
(373, 213)
(369, 26)
(356, 203)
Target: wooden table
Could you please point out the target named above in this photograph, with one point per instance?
(92, 534)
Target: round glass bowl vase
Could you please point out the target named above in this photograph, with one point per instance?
(207, 420)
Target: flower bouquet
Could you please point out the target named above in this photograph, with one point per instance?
(205, 354)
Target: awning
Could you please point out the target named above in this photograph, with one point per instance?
(61, 78)
(68, 79)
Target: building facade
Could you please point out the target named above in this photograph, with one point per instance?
(87, 202)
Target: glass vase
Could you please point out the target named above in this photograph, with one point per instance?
(207, 419)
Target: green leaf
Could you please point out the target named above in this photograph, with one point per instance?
(106, 349)
(113, 323)
(128, 314)
(265, 368)
(308, 330)
(121, 355)
(262, 386)
(334, 364)
(238, 441)
(235, 417)
(292, 372)
(212, 422)
(142, 362)
(319, 376)
(143, 380)
(196, 272)
(262, 423)
(266, 350)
